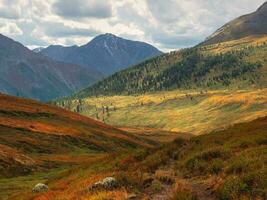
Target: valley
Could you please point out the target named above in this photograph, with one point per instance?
(196, 112)
(118, 119)
(225, 164)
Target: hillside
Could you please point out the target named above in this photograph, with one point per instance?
(27, 74)
(106, 53)
(37, 139)
(188, 69)
(228, 164)
(238, 62)
(254, 24)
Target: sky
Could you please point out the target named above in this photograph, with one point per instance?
(166, 24)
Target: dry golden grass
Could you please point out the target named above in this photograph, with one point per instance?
(235, 44)
(179, 111)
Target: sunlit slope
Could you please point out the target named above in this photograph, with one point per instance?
(183, 111)
(228, 164)
(32, 134)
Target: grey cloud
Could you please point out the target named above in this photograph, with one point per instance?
(62, 30)
(83, 9)
(10, 9)
(169, 24)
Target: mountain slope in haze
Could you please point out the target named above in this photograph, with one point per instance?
(28, 74)
(253, 24)
(106, 53)
(232, 64)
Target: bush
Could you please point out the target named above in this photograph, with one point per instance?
(196, 165)
(257, 183)
(212, 154)
(232, 189)
(154, 161)
(164, 178)
(156, 186)
(129, 180)
(239, 165)
(216, 166)
(182, 192)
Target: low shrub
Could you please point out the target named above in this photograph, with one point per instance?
(182, 192)
(212, 154)
(164, 178)
(156, 186)
(216, 166)
(196, 165)
(232, 189)
(238, 165)
(154, 161)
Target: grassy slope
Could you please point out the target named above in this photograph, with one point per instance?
(230, 164)
(39, 141)
(181, 111)
(234, 64)
(194, 110)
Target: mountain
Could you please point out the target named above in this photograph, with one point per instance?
(38, 50)
(232, 64)
(28, 74)
(106, 53)
(253, 24)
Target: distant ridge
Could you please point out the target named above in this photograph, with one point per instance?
(28, 74)
(106, 53)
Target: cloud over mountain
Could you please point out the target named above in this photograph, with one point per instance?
(167, 24)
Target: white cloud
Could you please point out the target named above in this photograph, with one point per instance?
(168, 24)
(10, 29)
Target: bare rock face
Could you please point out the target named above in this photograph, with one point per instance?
(40, 187)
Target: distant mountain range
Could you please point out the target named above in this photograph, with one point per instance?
(253, 24)
(106, 53)
(28, 74)
(233, 57)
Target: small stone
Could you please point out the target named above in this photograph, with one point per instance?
(107, 183)
(110, 183)
(40, 187)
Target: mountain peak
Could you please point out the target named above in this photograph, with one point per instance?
(106, 37)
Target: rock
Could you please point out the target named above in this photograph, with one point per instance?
(110, 183)
(107, 183)
(40, 187)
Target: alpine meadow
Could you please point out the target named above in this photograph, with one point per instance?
(125, 100)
